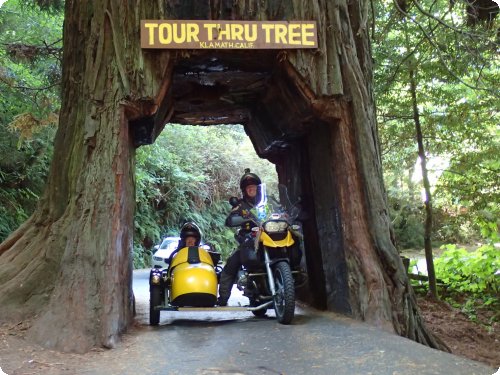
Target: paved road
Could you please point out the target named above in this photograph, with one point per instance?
(210, 343)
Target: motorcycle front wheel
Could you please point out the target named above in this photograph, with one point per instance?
(284, 299)
(155, 299)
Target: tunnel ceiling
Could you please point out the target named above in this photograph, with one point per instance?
(219, 88)
(233, 87)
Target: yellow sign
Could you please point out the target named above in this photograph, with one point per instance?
(177, 34)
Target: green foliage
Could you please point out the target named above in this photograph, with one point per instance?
(456, 72)
(473, 275)
(28, 83)
(22, 177)
(489, 223)
(29, 61)
(188, 174)
(47, 5)
(470, 280)
(407, 218)
(140, 257)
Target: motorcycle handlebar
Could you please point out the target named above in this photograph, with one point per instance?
(236, 221)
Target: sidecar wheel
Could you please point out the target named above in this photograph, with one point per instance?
(284, 300)
(155, 299)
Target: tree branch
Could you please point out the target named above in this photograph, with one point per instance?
(438, 51)
(3, 80)
(31, 52)
(439, 20)
(410, 54)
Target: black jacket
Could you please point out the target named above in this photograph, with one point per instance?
(241, 215)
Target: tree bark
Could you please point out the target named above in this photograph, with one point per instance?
(69, 266)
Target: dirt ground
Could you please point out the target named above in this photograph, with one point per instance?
(464, 337)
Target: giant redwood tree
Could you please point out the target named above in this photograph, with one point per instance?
(311, 112)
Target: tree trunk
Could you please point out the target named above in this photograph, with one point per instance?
(425, 179)
(69, 265)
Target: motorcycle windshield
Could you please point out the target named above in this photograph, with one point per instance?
(270, 208)
(261, 209)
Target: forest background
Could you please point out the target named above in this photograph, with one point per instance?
(436, 88)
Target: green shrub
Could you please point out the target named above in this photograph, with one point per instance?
(141, 258)
(472, 275)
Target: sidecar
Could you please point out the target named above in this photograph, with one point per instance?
(189, 284)
(190, 281)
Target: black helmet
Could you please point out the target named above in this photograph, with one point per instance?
(190, 229)
(248, 179)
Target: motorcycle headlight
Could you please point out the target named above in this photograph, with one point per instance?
(155, 279)
(275, 226)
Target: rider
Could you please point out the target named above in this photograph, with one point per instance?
(249, 185)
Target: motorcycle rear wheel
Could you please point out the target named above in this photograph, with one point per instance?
(155, 299)
(284, 300)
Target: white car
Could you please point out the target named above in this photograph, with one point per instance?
(162, 253)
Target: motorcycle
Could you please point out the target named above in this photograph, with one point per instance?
(270, 255)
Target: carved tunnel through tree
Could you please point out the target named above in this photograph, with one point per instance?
(262, 92)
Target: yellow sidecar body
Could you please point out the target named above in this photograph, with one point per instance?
(193, 280)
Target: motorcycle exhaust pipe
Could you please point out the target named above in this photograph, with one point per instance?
(266, 304)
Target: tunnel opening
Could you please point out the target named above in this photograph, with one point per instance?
(258, 90)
